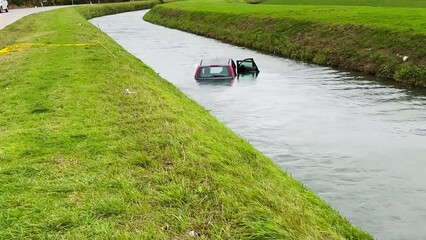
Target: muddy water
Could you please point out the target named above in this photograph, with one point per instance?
(359, 143)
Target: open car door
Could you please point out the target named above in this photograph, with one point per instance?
(247, 66)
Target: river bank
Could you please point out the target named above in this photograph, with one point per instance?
(364, 39)
(96, 144)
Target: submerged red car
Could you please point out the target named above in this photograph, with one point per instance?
(224, 69)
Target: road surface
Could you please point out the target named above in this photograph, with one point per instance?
(16, 14)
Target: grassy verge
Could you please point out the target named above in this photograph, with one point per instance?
(81, 159)
(373, 40)
(374, 3)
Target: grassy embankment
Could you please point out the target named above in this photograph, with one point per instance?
(373, 40)
(374, 3)
(80, 159)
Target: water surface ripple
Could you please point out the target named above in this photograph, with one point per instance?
(358, 142)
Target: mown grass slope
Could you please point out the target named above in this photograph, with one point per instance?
(385, 41)
(374, 3)
(80, 159)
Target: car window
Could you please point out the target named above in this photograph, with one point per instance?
(247, 64)
(219, 71)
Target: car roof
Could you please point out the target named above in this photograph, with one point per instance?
(217, 61)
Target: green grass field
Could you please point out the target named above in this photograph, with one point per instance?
(410, 20)
(374, 3)
(80, 159)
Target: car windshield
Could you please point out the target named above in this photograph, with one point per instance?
(217, 71)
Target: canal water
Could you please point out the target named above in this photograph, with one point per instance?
(359, 143)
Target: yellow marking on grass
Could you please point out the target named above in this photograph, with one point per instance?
(21, 47)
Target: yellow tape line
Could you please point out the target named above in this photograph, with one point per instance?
(20, 47)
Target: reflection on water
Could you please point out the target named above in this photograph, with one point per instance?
(216, 82)
(360, 143)
(248, 76)
(226, 82)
